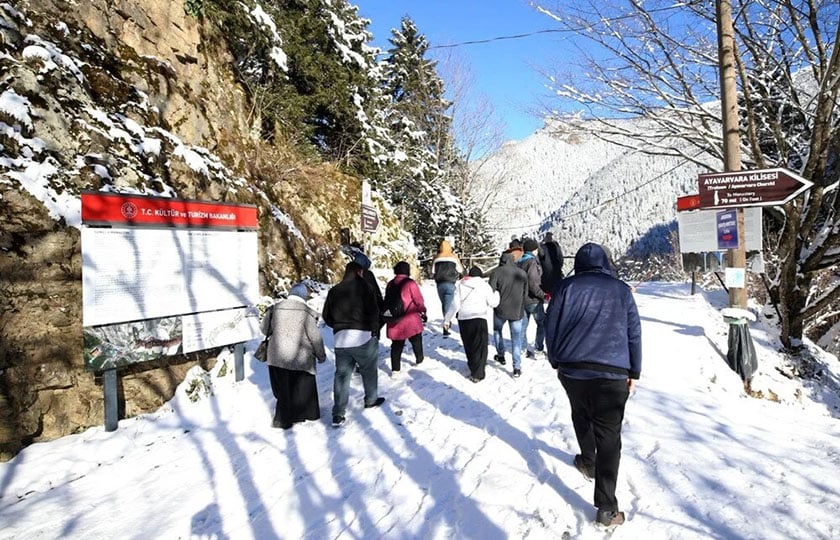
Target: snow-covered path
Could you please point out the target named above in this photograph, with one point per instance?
(446, 458)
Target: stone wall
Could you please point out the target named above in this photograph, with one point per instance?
(144, 66)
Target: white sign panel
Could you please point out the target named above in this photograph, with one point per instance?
(132, 273)
(216, 328)
(699, 234)
(735, 278)
(366, 192)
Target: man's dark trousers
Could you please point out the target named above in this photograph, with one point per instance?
(597, 414)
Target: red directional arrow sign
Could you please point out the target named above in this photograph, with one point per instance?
(764, 187)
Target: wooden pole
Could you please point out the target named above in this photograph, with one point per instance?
(737, 257)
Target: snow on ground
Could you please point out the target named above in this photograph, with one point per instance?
(446, 458)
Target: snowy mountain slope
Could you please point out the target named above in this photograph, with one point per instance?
(446, 458)
(582, 188)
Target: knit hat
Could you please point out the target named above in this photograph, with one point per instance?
(530, 244)
(362, 260)
(476, 272)
(402, 268)
(300, 290)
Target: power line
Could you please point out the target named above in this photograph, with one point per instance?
(501, 38)
(575, 30)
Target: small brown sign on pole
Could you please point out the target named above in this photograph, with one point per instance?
(370, 218)
(763, 187)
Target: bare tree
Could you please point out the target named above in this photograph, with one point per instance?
(478, 132)
(658, 60)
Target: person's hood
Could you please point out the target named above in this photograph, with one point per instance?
(506, 259)
(445, 249)
(592, 258)
(471, 282)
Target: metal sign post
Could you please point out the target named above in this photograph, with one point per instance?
(109, 387)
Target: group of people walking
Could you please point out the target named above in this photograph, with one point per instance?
(587, 326)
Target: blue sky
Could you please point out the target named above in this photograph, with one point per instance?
(505, 70)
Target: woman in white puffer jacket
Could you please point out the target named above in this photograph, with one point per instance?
(473, 300)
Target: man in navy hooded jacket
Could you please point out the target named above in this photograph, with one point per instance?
(594, 340)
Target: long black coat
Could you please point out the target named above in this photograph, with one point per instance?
(551, 259)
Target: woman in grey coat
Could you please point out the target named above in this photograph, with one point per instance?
(294, 345)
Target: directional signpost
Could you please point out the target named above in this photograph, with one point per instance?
(764, 187)
(370, 218)
(370, 215)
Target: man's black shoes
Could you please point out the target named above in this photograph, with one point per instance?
(338, 421)
(500, 358)
(588, 471)
(609, 518)
(379, 401)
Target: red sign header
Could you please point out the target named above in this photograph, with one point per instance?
(102, 208)
(688, 202)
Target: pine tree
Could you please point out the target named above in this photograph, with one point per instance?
(422, 146)
(324, 95)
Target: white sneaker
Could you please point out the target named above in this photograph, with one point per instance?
(396, 374)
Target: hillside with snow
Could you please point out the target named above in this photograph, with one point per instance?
(566, 180)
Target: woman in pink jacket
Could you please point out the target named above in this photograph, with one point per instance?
(410, 325)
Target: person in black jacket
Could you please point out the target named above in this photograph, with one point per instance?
(551, 260)
(352, 312)
(364, 262)
(447, 270)
(512, 284)
(534, 299)
(594, 342)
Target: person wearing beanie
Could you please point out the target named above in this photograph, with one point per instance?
(594, 339)
(511, 282)
(473, 297)
(410, 325)
(294, 344)
(534, 300)
(447, 270)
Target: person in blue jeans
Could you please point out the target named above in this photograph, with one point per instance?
(511, 282)
(352, 311)
(447, 270)
(346, 360)
(515, 328)
(535, 297)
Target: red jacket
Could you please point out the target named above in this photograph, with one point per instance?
(411, 324)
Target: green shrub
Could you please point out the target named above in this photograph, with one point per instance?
(194, 7)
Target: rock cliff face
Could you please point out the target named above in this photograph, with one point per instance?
(129, 96)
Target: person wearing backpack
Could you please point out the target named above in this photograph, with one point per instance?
(447, 270)
(404, 314)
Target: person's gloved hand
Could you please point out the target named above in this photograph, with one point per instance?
(423, 317)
